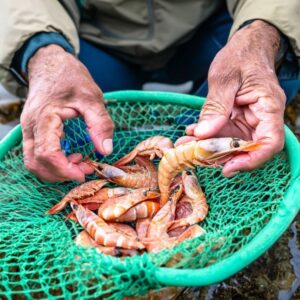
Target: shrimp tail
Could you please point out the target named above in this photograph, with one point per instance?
(126, 159)
(178, 223)
(57, 207)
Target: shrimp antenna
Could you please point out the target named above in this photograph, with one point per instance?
(89, 154)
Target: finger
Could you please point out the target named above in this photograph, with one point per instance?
(218, 105)
(247, 162)
(252, 160)
(185, 139)
(85, 168)
(100, 126)
(248, 97)
(48, 153)
(190, 129)
(76, 158)
(30, 163)
(269, 132)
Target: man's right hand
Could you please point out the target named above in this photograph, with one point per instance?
(60, 88)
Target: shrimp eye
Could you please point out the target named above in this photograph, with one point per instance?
(188, 172)
(177, 189)
(145, 193)
(235, 143)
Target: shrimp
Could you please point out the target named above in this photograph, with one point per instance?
(157, 233)
(142, 227)
(145, 209)
(145, 178)
(191, 233)
(112, 209)
(126, 229)
(170, 242)
(84, 240)
(105, 194)
(197, 153)
(123, 228)
(93, 203)
(86, 190)
(194, 198)
(155, 145)
(103, 233)
(141, 164)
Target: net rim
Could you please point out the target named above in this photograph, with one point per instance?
(247, 254)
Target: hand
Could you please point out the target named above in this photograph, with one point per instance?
(60, 88)
(244, 98)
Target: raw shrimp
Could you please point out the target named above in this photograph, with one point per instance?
(194, 198)
(114, 208)
(145, 209)
(197, 153)
(155, 145)
(144, 178)
(86, 190)
(103, 233)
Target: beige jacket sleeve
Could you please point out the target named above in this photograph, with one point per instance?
(285, 15)
(19, 20)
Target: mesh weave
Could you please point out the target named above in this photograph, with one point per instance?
(38, 258)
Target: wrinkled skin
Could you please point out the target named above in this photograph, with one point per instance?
(60, 88)
(244, 98)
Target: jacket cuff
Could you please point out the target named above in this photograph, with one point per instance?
(19, 65)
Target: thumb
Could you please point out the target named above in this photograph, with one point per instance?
(100, 127)
(217, 108)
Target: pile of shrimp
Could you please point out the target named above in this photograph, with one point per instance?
(148, 208)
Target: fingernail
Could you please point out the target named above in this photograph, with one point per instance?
(202, 128)
(107, 146)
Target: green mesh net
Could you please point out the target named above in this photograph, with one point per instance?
(38, 258)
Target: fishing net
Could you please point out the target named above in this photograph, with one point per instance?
(38, 258)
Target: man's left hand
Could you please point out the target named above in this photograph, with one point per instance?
(244, 98)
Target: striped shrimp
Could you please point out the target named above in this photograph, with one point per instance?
(145, 177)
(193, 205)
(197, 153)
(83, 239)
(88, 190)
(145, 209)
(114, 208)
(157, 232)
(103, 233)
(155, 145)
(141, 227)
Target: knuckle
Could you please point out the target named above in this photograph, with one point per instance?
(43, 154)
(280, 93)
(102, 117)
(25, 120)
(214, 105)
(30, 165)
(91, 93)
